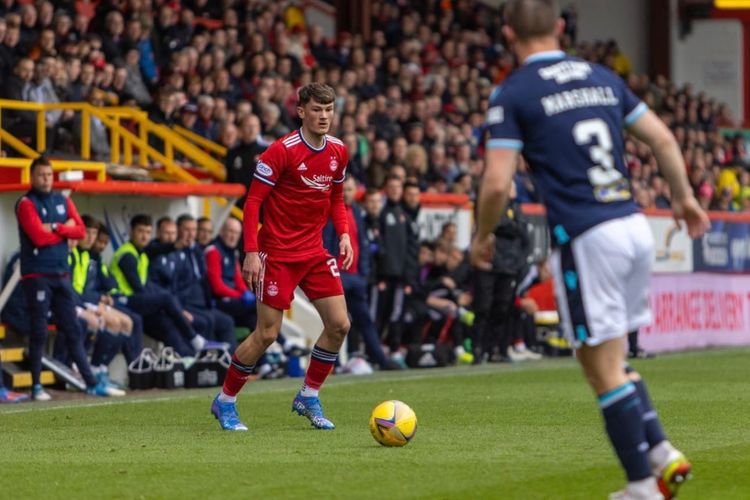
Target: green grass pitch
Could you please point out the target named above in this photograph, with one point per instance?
(500, 431)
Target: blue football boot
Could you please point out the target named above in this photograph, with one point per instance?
(226, 414)
(310, 408)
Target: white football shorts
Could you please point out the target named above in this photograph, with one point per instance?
(602, 279)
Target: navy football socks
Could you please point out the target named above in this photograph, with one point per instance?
(623, 417)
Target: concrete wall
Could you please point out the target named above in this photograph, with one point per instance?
(710, 58)
(623, 20)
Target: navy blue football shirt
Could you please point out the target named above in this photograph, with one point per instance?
(566, 116)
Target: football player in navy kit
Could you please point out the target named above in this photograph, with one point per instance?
(566, 116)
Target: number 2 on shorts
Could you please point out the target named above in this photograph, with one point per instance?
(333, 267)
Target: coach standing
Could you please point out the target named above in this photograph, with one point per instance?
(46, 220)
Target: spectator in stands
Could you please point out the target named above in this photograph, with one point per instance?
(134, 84)
(46, 221)
(42, 91)
(227, 134)
(18, 88)
(163, 317)
(113, 40)
(355, 282)
(272, 124)
(205, 233)
(162, 112)
(98, 136)
(205, 125)
(241, 160)
(380, 164)
(80, 87)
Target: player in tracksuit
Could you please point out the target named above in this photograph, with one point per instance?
(112, 327)
(191, 284)
(163, 317)
(107, 285)
(46, 220)
(163, 263)
(567, 116)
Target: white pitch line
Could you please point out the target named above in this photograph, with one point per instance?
(349, 380)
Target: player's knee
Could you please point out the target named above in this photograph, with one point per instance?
(339, 328)
(126, 325)
(267, 336)
(92, 323)
(112, 324)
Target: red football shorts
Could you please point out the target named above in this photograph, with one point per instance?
(318, 276)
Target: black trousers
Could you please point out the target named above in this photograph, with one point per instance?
(220, 325)
(494, 295)
(54, 293)
(355, 293)
(163, 320)
(390, 311)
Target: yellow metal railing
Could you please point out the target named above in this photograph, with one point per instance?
(125, 141)
(206, 144)
(24, 165)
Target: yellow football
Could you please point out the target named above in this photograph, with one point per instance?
(393, 423)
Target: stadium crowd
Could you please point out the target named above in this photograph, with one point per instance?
(412, 97)
(411, 103)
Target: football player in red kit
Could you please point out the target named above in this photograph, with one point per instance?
(298, 180)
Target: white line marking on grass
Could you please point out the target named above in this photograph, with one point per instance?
(339, 380)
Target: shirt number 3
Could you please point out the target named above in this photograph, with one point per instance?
(608, 182)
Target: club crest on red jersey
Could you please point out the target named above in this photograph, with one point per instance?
(333, 164)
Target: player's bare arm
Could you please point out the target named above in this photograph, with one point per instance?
(493, 198)
(650, 129)
(251, 270)
(345, 247)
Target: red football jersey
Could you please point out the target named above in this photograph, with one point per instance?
(305, 183)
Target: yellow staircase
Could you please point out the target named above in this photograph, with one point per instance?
(129, 133)
(12, 357)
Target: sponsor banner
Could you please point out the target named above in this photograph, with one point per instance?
(673, 248)
(726, 248)
(697, 310)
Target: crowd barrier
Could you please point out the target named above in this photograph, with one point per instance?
(700, 289)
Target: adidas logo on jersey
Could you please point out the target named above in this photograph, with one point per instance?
(302, 167)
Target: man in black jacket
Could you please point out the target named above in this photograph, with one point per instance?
(241, 159)
(394, 269)
(20, 123)
(411, 206)
(494, 288)
(355, 280)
